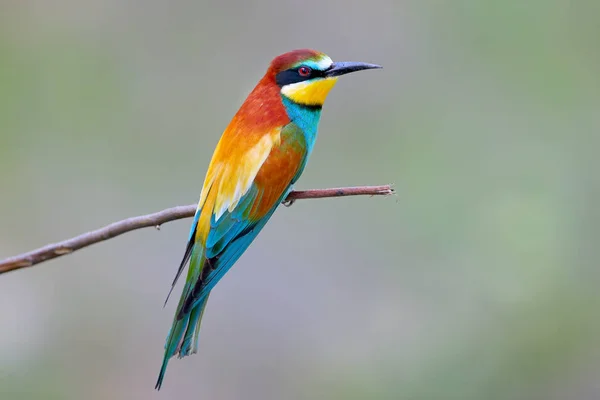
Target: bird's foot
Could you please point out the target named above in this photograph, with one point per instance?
(288, 203)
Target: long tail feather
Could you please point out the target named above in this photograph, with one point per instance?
(171, 347)
(189, 345)
(186, 325)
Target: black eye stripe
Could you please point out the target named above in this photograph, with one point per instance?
(290, 76)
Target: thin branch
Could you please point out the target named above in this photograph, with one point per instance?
(157, 219)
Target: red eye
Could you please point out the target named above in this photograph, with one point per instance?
(304, 71)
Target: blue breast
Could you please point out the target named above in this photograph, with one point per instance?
(306, 118)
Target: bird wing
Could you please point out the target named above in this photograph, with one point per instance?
(234, 165)
(244, 186)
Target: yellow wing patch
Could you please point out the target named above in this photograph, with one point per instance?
(237, 176)
(311, 93)
(230, 176)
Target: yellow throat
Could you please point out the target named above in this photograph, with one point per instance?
(309, 93)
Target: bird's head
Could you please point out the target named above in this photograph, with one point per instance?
(306, 76)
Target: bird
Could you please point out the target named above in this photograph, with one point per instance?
(259, 157)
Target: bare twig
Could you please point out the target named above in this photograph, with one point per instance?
(156, 220)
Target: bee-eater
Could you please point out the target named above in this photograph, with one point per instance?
(259, 157)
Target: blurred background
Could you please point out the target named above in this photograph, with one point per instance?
(478, 281)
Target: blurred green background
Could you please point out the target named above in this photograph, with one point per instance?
(479, 281)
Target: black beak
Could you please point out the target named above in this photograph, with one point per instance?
(342, 68)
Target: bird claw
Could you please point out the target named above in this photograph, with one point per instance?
(288, 203)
